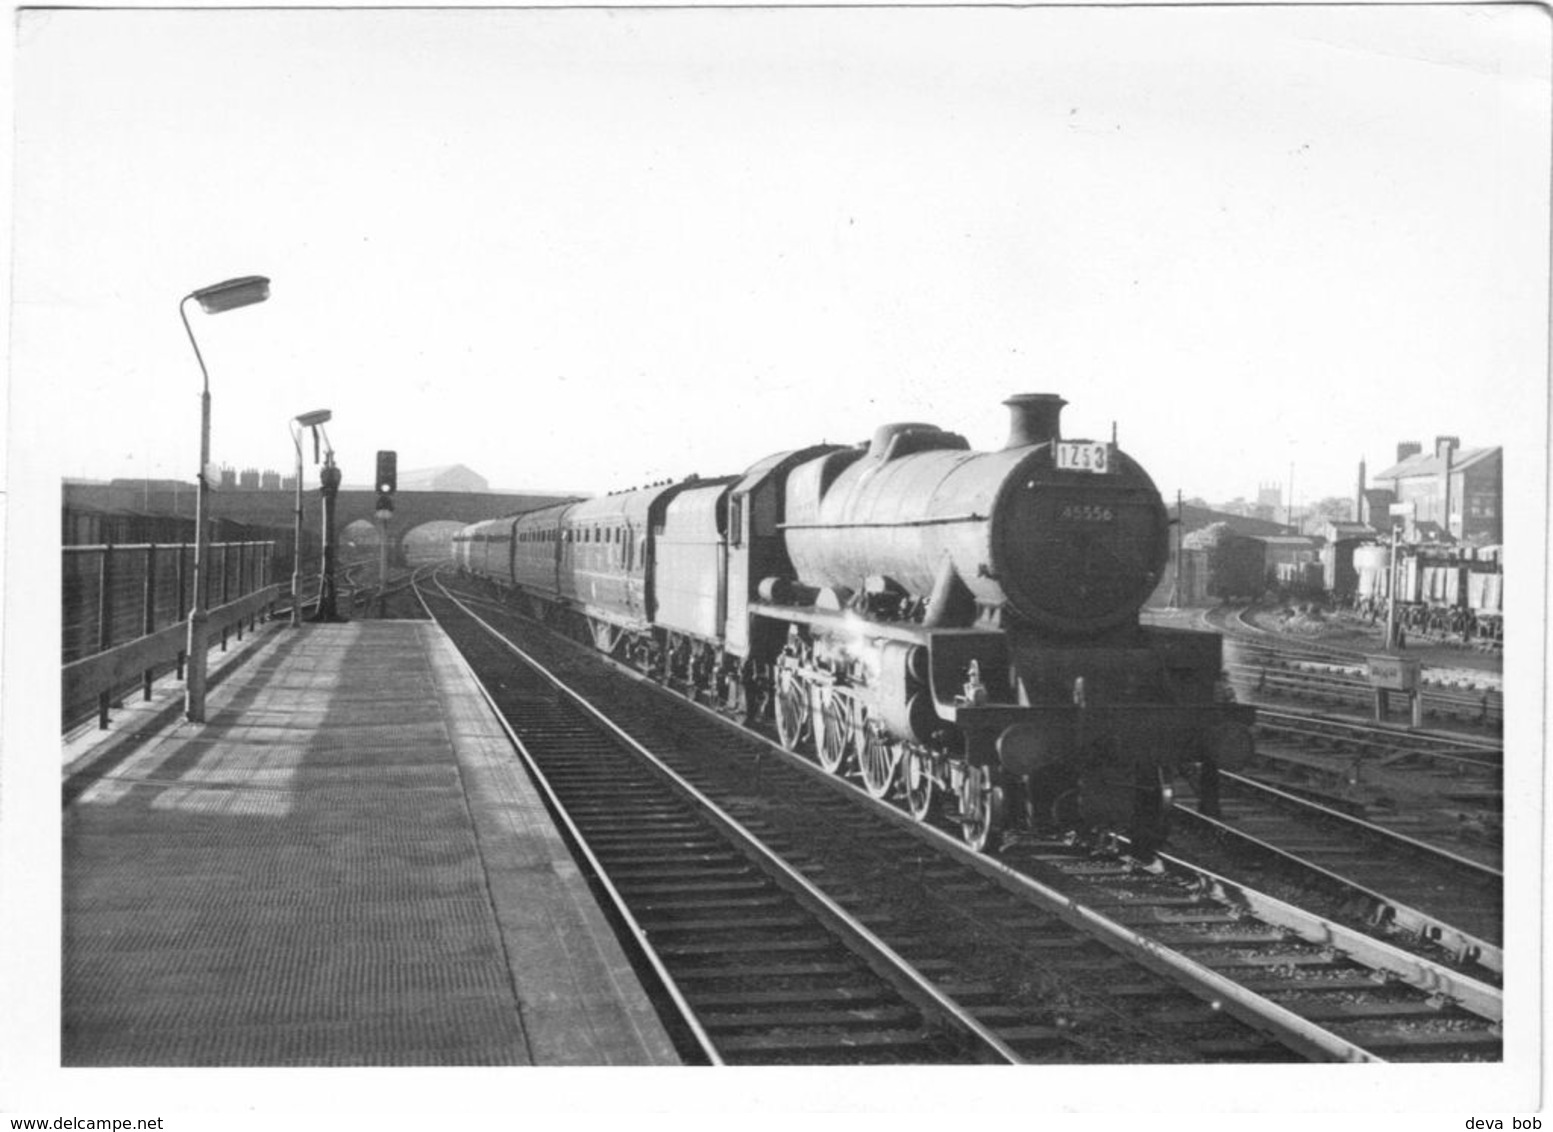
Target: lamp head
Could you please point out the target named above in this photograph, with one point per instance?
(233, 293)
(316, 417)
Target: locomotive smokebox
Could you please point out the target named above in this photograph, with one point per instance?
(1034, 418)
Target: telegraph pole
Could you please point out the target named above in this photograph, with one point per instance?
(1175, 589)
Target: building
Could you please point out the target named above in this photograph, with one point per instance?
(1190, 527)
(1194, 518)
(446, 477)
(1457, 494)
(1269, 503)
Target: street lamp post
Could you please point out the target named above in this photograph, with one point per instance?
(298, 423)
(229, 295)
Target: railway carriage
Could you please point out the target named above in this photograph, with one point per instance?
(952, 625)
(483, 550)
(535, 551)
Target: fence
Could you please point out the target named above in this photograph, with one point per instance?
(113, 594)
(118, 596)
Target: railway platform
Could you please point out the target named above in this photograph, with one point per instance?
(346, 865)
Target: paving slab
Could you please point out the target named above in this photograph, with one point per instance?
(345, 865)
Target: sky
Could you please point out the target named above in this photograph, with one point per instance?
(591, 249)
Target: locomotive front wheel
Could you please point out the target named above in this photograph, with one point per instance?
(833, 731)
(917, 774)
(982, 805)
(792, 710)
(878, 758)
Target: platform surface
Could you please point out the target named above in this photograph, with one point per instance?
(345, 865)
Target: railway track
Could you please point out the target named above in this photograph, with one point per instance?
(1349, 759)
(760, 965)
(1062, 955)
(1263, 665)
(1434, 901)
(1444, 791)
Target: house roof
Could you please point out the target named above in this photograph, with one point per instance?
(1196, 518)
(1428, 464)
(1286, 540)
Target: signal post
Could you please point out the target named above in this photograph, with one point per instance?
(387, 484)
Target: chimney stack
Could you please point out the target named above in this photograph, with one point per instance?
(1034, 418)
(1407, 449)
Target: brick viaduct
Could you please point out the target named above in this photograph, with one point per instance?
(277, 508)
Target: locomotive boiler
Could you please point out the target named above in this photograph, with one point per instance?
(958, 628)
(972, 629)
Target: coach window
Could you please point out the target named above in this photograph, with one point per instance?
(736, 520)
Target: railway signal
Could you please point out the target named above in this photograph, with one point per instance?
(387, 472)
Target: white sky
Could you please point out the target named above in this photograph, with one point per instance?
(588, 249)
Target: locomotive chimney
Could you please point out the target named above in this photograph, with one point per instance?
(1034, 418)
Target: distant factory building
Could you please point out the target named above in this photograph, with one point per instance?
(1457, 493)
(446, 477)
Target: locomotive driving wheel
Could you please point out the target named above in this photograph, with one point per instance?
(982, 806)
(917, 777)
(792, 709)
(878, 758)
(832, 729)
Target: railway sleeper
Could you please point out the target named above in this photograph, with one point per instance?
(793, 970)
(850, 1018)
(1369, 982)
(1030, 1039)
(1185, 938)
(1316, 964)
(668, 906)
(1424, 1042)
(1188, 1014)
(1147, 917)
(673, 830)
(739, 926)
(1240, 1049)
(914, 1045)
(725, 947)
(1369, 1011)
(629, 869)
(851, 996)
(648, 890)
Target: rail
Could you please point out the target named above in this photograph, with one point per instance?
(907, 981)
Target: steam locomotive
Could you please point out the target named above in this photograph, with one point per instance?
(957, 628)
